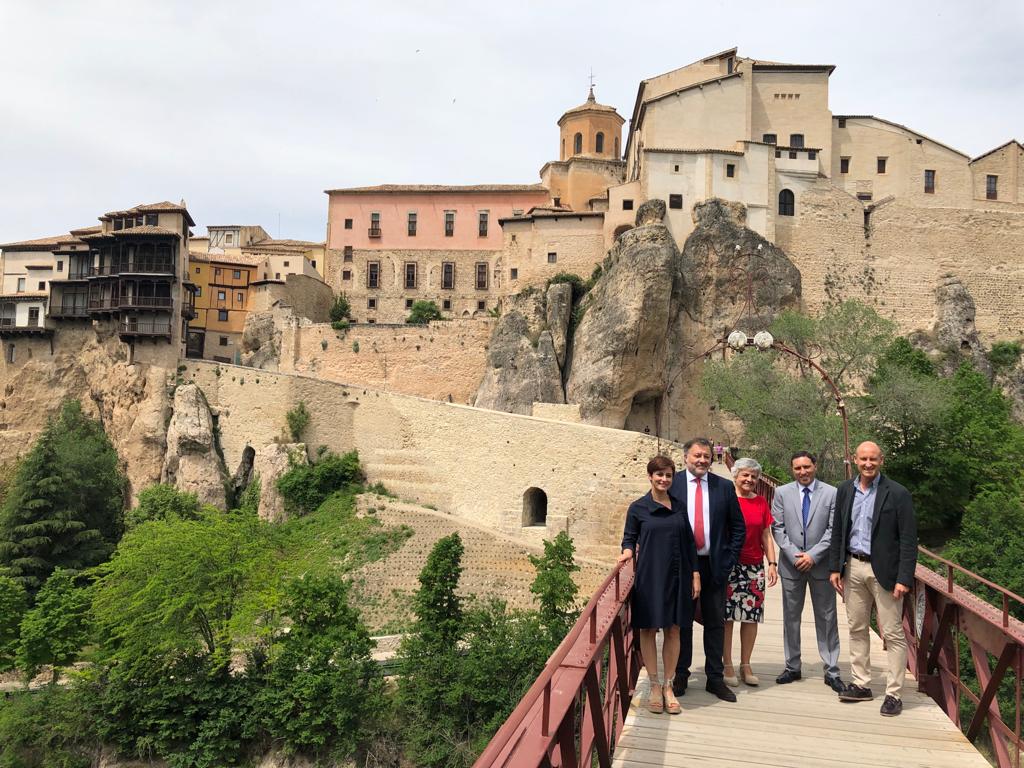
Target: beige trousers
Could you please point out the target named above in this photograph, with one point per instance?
(861, 590)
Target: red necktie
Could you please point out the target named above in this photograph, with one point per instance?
(698, 515)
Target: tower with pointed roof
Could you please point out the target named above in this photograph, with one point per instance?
(590, 137)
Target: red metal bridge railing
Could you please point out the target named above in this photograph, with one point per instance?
(576, 708)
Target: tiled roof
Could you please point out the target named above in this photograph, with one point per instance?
(1001, 146)
(435, 188)
(898, 125)
(244, 259)
(272, 242)
(132, 231)
(41, 244)
(697, 151)
(86, 230)
(163, 207)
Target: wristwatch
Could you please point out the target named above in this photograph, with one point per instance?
(771, 563)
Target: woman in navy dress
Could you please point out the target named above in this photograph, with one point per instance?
(658, 533)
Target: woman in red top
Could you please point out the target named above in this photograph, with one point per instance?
(744, 596)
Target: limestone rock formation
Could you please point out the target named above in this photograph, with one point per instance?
(270, 462)
(954, 332)
(192, 463)
(523, 359)
(261, 341)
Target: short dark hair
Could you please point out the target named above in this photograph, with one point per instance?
(696, 441)
(803, 455)
(660, 462)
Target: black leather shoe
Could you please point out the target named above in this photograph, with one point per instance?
(836, 684)
(679, 687)
(788, 676)
(856, 693)
(720, 689)
(891, 706)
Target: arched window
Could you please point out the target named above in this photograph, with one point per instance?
(787, 204)
(563, 149)
(616, 146)
(599, 143)
(577, 144)
(535, 508)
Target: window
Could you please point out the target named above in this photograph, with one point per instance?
(730, 170)
(787, 203)
(410, 274)
(770, 138)
(33, 316)
(374, 230)
(346, 274)
(286, 263)
(842, 122)
(118, 224)
(729, 64)
(864, 197)
(313, 262)
(371, 303)
(844, 165)
(675, 201)
(513, 274)
(481, 275)
(449, 223)
(240, 297)
(229, 238)
(216, 271)
(198, 270)
(411, 224)
(222, 315)
(9, 354)
(223, 341)
(599, 142)
(627, 205)
(60, 266)
(348, 253)
(991, 186)
(881, 164)
(447, 275)
(21, 285)
(929, 182)
(237, 274)
(348, 223)
(408, 303)
(199, 290)
(446, 305)
(277, 275)
(616, 146)
(481, 306)
(42, 285)
(792, 155)
(577, 144)
(812, 154)
(778, 153)
(552, 257)
(483, 223)
(675, 169)
(151, 220)
(221, 296)
(796, 140)
(373, 274)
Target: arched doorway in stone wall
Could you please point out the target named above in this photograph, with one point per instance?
(535, 508)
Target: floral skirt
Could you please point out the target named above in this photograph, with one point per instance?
(744, 595)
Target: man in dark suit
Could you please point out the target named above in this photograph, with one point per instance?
(718, 531)
(872, 560)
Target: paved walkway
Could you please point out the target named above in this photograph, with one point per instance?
(801, 724)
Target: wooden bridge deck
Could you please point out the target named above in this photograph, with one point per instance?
(802, 724)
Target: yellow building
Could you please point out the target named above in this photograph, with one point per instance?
(223, 283)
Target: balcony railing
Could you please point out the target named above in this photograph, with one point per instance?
(374, 231)
(160, 302)
(105, 303)
(140, 266)
(145, 328)
(69, 310)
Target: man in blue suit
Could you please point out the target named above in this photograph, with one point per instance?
(718, 531)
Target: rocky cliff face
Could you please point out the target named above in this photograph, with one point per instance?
(527, 350)
(192, 463)
(270, 462)
(954, 332)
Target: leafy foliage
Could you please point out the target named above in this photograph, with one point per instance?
(298, 420)
(163, 502)
(341, 309)
(304, 487)
(13, 603)
(63, 508)
(1004, 355)
(52, 728)
(555, 589)
(54, 630)
(423, 312)
(322, 686)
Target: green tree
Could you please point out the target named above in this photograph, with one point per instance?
(163, 502)
(423, 312)
(52, 728)
(54, 630)
(184, 587)
(63, 508)
(13, 603)
(304, 487)
(1004, 355)
(298, 420)
(555, 589)
(322, 686)
(429, 692)
(341, 309)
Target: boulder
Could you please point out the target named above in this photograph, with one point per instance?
(522, 357)
(269, 463)
(954, 332)
(192, 463)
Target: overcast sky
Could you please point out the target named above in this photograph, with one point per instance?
(249, 110)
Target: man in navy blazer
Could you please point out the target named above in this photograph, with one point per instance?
(718, 531)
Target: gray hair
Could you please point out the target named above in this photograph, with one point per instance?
(742, 464)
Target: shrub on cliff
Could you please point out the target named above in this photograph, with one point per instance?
(304, 487)
(341, 309)
(423, 312)
(64, 506)
(163, 502)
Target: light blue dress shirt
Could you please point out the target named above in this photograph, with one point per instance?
(863, 514)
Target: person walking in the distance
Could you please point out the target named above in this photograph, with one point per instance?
(872, 559)
(718, 532)
(802, 514)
